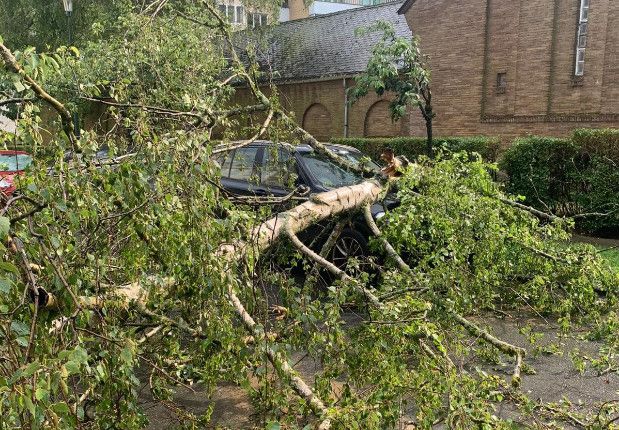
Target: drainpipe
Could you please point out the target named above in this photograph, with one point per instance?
(345, 109)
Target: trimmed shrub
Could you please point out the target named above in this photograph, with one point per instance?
(413, 147)
(603, 142)
(543, 169)
(568, 176)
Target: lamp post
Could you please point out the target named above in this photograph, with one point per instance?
(68, 10)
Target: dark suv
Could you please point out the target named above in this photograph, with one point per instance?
(265, 168)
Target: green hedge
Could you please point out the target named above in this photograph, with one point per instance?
(603, 142)
(413, 147)
(569, 176)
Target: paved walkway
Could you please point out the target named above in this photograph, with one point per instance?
(598, 241)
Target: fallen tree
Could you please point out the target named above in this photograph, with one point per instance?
(155, 276)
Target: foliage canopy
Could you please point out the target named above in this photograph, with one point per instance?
(115, 273)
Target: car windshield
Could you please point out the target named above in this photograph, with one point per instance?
(329, 174)
(354, 157)
(14, 162)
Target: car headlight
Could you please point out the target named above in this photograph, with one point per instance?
(5, 184)
(379, 215)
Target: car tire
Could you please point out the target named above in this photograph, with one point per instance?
(350, 244)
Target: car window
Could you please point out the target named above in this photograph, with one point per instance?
(244, 164)
(14, 162)
(225, 161)
(278, 168)
(327, 173)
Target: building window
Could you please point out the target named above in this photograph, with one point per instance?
(256, 19)
(581, 38)
(501, 83)
(234, 14)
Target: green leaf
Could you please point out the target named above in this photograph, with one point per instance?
(31, 369)
(5, 286)
(19, 86)
(15, 377)
(72, 367)
(29, 404)
(5, 226)
(8, 267)
(19, 328)
(41, 394)
(273, 426)
(61, 409)
(126, 355)
(79, 355)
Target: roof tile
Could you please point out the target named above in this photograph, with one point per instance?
(325, 45)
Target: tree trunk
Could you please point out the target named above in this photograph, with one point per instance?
(429, 143)
(428, 116)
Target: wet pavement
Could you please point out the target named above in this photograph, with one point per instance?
(556, 378)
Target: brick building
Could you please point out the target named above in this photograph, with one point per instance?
(512, 67)
(314, 62)
(499, 67)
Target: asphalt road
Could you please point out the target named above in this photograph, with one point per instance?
(556, 378)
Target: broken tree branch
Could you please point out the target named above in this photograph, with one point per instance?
(326, 248)
(154, 109)
(532, 210)
(507, 348)
(299, 386)
(332, 268)
(16, 101)
(321, 148)
(65, 116)
(249, 141)
(388, 247)
(299, 218)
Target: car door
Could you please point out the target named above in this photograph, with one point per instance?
(239, 170)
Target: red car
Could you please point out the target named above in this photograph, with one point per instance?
(12, 163)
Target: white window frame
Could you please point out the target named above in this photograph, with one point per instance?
(239, 14)
(261, 18)
(233, 13)
(581, 35)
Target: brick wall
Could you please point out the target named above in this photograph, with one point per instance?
(318, 122)
(533, 43)
(319, 107)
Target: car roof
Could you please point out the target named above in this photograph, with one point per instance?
(13, 152)
(304, 148)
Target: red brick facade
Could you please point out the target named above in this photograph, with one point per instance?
(532, 43)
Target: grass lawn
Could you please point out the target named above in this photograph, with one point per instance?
(612, 256)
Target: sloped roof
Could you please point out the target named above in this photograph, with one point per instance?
(325, 45)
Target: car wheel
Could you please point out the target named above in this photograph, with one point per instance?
(350, 244)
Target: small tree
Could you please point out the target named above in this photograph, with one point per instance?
(397, 66)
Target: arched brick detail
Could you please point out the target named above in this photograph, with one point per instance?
(317, 122)
(378, 121)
